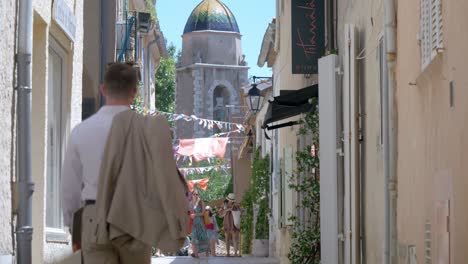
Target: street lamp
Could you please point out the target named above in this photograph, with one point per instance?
(255, 96)
(255, 99)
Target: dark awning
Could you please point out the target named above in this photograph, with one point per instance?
(290, 103)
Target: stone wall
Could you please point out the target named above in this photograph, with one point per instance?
(184, 102)
(209, 59)
(195, 88)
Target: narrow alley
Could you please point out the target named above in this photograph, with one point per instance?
(198, 131)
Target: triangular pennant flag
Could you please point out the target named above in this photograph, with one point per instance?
(203, 184)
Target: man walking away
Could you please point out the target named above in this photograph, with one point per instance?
(86, 158)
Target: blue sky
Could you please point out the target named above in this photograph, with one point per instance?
(252, 17)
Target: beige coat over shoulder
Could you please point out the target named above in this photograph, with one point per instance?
(139, 190)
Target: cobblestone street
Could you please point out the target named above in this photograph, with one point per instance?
(214, 260)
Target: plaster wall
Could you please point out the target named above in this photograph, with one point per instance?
(432, 135)
(39, 133)
(367, 16)
(45, 29)
(7, 123)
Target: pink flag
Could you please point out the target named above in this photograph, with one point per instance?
(203, 148)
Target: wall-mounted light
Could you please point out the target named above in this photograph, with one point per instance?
(255, 96)
(255, 99)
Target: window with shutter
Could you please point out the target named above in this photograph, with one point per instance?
(289, 208)
(281, 204)
(57, 87)
(437, 25)
(431, 35)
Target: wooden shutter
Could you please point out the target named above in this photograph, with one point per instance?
(281, 208)
(425, 34)
(436, 26)
(289, 209)
(431, 35)
(442, 232)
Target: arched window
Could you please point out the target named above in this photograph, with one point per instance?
(220, 100)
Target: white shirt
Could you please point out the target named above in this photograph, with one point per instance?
(82, 161)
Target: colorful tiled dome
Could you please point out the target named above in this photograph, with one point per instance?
(211, 15)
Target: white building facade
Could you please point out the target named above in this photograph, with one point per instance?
(56, 107)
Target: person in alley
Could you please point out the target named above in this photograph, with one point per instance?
(119, 171)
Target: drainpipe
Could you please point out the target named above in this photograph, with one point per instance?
(148, 70)
(390, 136)
(24, 229)
(104, 45)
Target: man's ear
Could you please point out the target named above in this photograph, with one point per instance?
(103, 90)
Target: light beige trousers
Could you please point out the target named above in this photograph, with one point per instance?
(121, 250)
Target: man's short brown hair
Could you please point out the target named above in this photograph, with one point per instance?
(120, 79)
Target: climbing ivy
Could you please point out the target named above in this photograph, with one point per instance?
(261, 187)
(305, 246)
(256, 194)
(247, 222)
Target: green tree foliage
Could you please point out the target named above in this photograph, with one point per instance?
(166, 81)
(218, 180)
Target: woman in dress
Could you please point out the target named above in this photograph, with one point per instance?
(212, 230)
(231, 224)
(199, 236)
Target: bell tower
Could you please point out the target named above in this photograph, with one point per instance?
(211, 68)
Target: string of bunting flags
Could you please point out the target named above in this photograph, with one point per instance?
(197, 170)
(206, 123)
